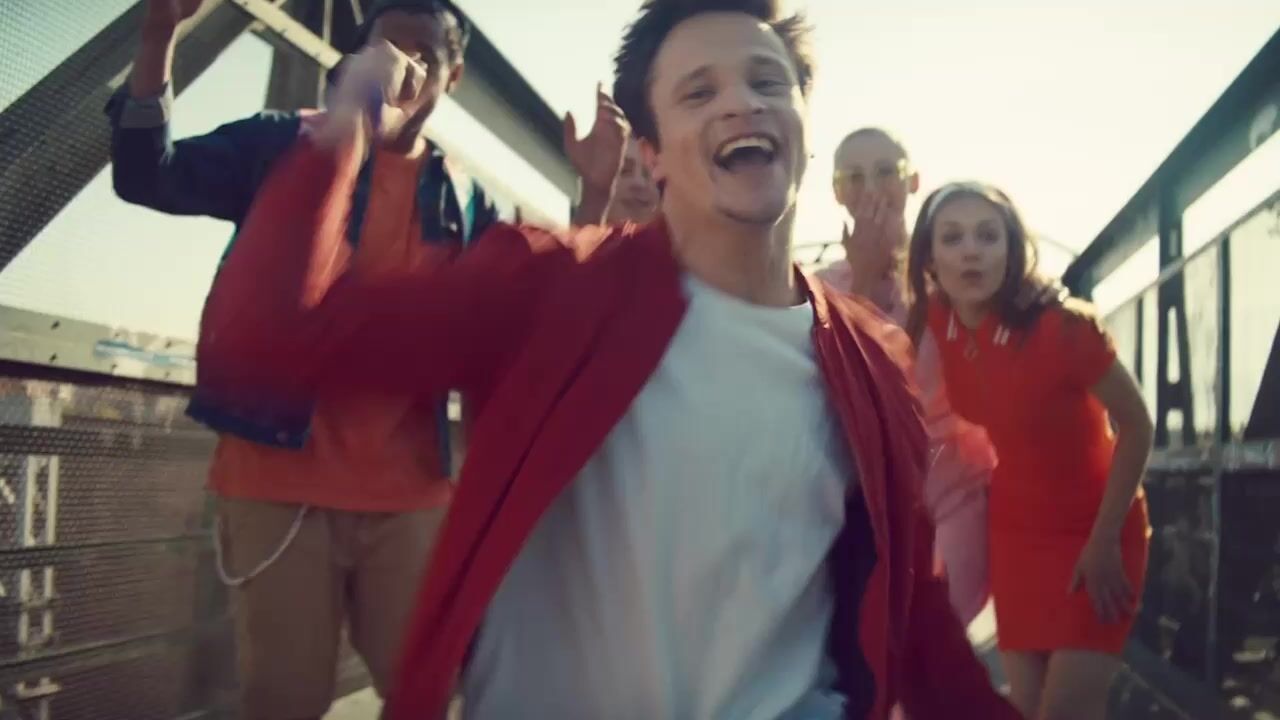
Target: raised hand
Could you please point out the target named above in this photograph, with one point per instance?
(878, 236)
(380, 91)
(153, 63)
(162, 15)
(598, 157)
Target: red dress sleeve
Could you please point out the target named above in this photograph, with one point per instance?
(1088, 351)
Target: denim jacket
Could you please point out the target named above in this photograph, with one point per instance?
(219, 174)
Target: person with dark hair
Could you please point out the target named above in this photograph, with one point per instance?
(327, 521)
(1067, 519)
(692, 486)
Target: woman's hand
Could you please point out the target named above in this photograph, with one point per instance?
(878, 236)
(1101, 570)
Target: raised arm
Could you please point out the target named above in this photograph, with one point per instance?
(215, 174)
(423, 333)
(1095, 368)
(597, 158)
(285, 317)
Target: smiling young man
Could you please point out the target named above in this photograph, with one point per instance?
(692, 485)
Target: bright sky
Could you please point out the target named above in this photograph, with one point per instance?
(1067, 106)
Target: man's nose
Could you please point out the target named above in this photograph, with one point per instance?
(740, 100)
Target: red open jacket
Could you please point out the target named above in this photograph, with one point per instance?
(551, 339)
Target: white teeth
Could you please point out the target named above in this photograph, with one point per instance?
(759, 142)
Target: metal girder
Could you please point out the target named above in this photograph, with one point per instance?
(492, 92)
(1224, 136)
(1264, 420)
(55, 138)
(1224, 341)
(496, 94)
(297, 78)
(1172, 395)
(56, 342)
(284, 31)
(296, 81)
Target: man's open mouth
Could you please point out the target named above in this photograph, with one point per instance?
(746, 151)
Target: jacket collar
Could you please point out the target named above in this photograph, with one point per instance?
(657, 236)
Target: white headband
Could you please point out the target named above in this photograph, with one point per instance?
(951, 189)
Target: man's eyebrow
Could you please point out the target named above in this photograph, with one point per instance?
(699, 73)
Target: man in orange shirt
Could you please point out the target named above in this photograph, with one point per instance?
(327, 521)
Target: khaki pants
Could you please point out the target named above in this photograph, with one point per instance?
(360, 568)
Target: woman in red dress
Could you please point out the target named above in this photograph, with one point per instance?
(1067, 520)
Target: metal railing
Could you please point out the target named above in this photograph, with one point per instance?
(1211, 607)
(110, 607)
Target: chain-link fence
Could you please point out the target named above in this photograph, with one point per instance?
(108, 603)
(110, 608)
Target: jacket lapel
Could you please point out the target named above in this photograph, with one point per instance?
(881, 424)
(599, 339)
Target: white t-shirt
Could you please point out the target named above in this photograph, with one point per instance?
(683, 573)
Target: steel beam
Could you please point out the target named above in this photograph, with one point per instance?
(55, 137)
(33, 338)
(492, 92)
(297, 78)
(1225, 135)
(297, 81)
(1172, 394)
(1224, 341)
(1264, 419)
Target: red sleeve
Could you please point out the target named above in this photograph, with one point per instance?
(943, 678)
(286, 316)
(447, 326)
(1087, 348)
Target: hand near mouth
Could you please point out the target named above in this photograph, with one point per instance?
(878, 236)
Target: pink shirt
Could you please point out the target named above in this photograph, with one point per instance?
(887, 294)
(961, 458)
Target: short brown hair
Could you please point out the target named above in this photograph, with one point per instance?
(457, 28)
(633, 63)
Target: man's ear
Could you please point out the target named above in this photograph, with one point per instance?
(455, 77)
(913, 183)
(652, 160)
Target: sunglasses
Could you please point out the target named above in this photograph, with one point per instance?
(881, 174)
